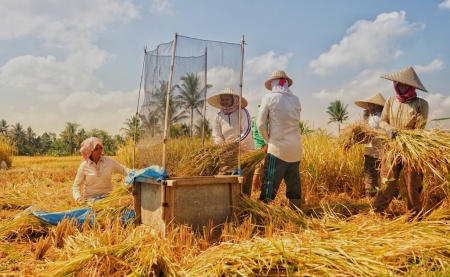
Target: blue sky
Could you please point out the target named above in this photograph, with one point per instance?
(80, 60)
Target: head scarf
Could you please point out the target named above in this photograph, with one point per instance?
(232, 108)
(408, 96)
(281, 86)
(88, 145)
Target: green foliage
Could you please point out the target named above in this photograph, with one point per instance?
(337, 112)
(305, 128)
(191, 96)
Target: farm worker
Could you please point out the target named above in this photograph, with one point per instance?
(278, 124)
(259, 143)
(225, 123)
(373, 106)
(95, 171)
(405, 110)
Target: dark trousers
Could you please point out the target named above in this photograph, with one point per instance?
(414, 184)
(371, 175)
(275, 170)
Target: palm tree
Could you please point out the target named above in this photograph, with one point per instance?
(199, 128)
(81, 136)
(305, 129)
(133, 128)
(19, 138)
(338, 113)
(69, 136)
(150, 124)
(4, 127)
(108, 142)
(30, 137)
(191, 95)
(157, 109)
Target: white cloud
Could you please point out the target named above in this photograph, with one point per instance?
(64, 77)
(164, 7)
(435, 65)
(445, 4)
(53, 20)
(367, 43)
(267, 63)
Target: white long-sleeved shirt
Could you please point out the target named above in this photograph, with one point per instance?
(278, 124)
(96, 177)
(225, 129)
(374, 148)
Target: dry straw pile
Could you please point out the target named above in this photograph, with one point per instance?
(335, 234)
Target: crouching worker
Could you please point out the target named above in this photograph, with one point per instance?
(95, 172)
(278, 124)
(373, 106)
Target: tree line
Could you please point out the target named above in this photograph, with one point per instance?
(183, 108)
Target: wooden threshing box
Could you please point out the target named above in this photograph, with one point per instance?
(194, 201)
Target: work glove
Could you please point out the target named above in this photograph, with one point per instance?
(391, 132)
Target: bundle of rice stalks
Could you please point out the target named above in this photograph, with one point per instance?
(358, 133)
(118, 202)
(115, 251)
(208, 161)
(266, 215)
(7, 150)
(425, 150)
(365, 245)
(205, 162)
(23, 227)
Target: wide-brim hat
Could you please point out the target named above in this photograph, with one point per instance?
(376, 99)
(215, 99)
(406, 76)
(277, 74)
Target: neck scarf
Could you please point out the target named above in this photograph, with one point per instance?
(408, 96)
(232, 108)
(280, 86)
(88, 145)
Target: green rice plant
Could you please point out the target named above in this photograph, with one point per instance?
(7, 150)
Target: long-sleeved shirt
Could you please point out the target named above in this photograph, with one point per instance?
(374, 148)
(407, 115)
(225, 129)
(257, 139)
(278, 124)
(96, 177)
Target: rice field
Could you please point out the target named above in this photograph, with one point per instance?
(336, 233)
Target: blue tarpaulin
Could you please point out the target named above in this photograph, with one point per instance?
(154, 171)
(80, 216)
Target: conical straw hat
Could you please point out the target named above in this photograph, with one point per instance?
(376, 99)
(215, 99)
(406, 76)
(277, 74)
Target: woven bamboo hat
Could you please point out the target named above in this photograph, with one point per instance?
(215, 99)
(376, 99)
(406, 76)
(277, 74)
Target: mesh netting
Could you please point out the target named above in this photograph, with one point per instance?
(197, 64)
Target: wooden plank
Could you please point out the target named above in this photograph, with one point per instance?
(137, 202)
(203, 180)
